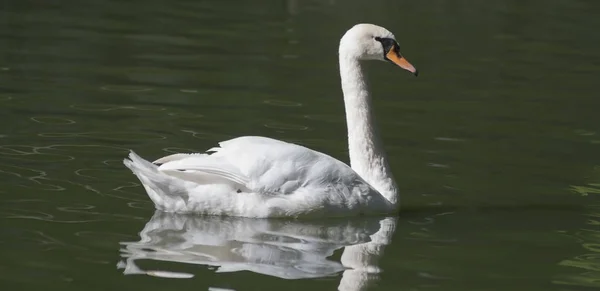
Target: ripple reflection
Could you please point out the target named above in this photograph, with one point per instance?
(279, 248)
(588, 264)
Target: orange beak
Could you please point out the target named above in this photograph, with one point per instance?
(397, 59)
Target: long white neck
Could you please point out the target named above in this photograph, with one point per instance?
(367, 156)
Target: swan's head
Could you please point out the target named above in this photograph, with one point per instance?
(372, 42)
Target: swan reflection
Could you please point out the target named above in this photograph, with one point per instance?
(280, 248)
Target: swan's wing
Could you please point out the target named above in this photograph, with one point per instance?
(259, 164)
(202, 168)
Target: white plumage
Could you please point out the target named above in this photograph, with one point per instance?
(261, 177)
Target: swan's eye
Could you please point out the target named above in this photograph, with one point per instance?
(388, 45)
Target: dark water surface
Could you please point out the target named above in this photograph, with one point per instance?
(496, 146)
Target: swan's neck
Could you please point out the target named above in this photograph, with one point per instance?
(367, 156)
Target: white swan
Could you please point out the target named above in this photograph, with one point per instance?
(261, 177)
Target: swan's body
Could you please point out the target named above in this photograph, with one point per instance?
(262, 177)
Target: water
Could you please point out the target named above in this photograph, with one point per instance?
(495, 146)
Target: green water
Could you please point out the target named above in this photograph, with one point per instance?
(495, 146)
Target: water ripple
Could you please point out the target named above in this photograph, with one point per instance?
(145, 205)
(39, 215)
(35, 177)
(206, 135)
(285, 126)
(282, 103)
(80, 213)
(125, 88)
(98, 174)
(85, 148)
(103, 235)
(52, 120)
(45, 241)
(100, 107)
(22, 152)
(176, 150)
(324, 118)
(449, 139)
(435, 165)
(93, 260)
(185, 115)
(113, 163)
(112, 135)
(587, 264)
(425, 234)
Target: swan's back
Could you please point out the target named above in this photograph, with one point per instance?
(275, 166)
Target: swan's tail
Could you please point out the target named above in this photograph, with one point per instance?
(167, 193)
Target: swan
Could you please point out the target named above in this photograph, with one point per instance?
(260, 177)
